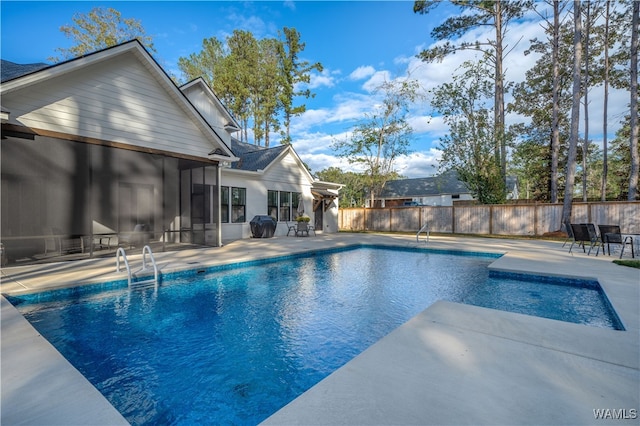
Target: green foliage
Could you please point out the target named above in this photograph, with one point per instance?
(469, 148)
(532, 157)
(533, 98)
(99, 29)
(257, 80)
(354, 192)
(478, 14)
(294, 71)
(383, 136)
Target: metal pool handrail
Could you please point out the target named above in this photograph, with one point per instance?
(126, 262)
(424, 227)
(145, 250)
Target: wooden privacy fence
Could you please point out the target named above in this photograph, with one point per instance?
(499, 219)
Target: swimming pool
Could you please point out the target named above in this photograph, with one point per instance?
(234, 346)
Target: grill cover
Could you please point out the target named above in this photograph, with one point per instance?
(263, 226)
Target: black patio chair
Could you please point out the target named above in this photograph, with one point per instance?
(567, 227)
(594, 237)
(610, 234)
(582, 236)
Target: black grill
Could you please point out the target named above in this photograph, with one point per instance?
(263, 226)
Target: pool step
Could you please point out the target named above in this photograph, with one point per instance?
(143, 285)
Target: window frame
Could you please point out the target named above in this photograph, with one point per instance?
(284, 204)
(238, 204)
(272, 204)
(225, 194)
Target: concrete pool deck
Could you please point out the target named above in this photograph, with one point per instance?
(451, 364)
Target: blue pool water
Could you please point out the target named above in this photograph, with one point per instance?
(233, 346)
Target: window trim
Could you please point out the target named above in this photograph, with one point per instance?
(243, 205)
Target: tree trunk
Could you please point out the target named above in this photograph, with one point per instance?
(633, 139)
(575, 115)
(555, 133)
(605, 107)
(501, 143)
(585, 144)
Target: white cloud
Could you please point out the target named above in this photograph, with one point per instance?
(376, 80)
(313, 143)
(362, 72)
(349, 106)
(254, 24)
(325, 78)
(323, 161)
(419, 164)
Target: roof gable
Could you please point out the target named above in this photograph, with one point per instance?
(200, 85)
(119, 94)
(253, 158)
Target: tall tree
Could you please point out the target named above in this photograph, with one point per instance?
(257, 80)
(383, 136)
(605, 105)
(544, 97)
(476, 14)
(243, 64)
(575, 115)
(585, 145)
(295, 72)
(99, 29)
(469, 147)
(555, 108)
(270, 83)
(633, 138)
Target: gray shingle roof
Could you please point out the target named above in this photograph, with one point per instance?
(446, 183)
(11, 70)
(254, 157)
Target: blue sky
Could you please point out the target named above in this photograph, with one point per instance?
(359, 43)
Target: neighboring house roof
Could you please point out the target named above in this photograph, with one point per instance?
(446, 183)
(11, 70)
(19, 77)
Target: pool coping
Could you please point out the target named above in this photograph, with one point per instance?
(540, 257)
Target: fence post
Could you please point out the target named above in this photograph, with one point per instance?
(491, 220)
(453, 219)
(364, 224)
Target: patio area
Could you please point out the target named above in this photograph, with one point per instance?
(451, 364)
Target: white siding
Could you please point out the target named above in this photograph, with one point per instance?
(285, 173)
(256, 204)
(209, 111)
(115, 100)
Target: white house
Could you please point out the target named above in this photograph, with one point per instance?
(107, 143)
(263, 181)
